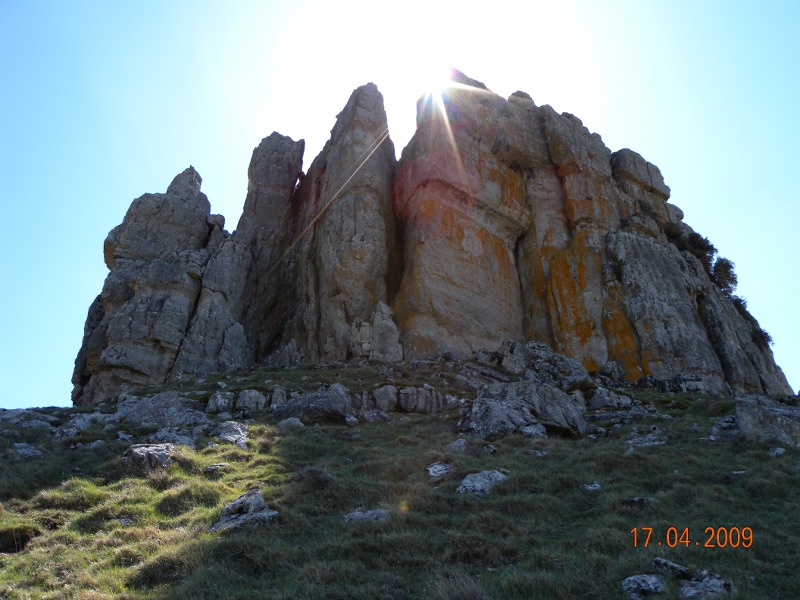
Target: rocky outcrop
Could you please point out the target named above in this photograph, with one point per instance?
(248, 510)
(765, 420)
(503, 220)
(505, 408)
(137, 325)
(341, 262)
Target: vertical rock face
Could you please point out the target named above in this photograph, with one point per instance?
(341, 259)
(137, 325)
(521, 224)
(463, 210)
(502, 221)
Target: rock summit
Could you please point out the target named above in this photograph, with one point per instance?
(503, 220)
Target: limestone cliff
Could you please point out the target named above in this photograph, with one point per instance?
(502, 220)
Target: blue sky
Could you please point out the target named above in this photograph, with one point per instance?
(104, 101)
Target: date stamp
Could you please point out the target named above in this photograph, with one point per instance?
(712, 537)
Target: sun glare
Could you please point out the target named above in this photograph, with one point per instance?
(435, 80)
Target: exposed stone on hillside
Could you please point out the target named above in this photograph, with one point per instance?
(503, 220)
(137, 325)
(505, 408)
(248, 510)
(343, 269)
(765, 420)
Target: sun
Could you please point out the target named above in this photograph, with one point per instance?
(434, 79)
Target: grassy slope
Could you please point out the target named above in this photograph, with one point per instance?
(538, 535)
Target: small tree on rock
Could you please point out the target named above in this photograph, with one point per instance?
(723, 275)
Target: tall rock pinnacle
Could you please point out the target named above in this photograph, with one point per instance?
(502, 221)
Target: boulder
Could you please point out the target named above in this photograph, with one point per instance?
(167, 409)
(373, 416)
(766, 420)
(538, 361)
(640, 587)
(172, 435)
(248, 510)
(438, 470)
(251, 401)
(331, 403)
(26, 451)
(604, 398)
(480, 484)
(290, 424)
(654, 436)
(385, 398)
(699, 584)
(147, 458)
(420, 400)
(378, 515)
(231, 432)
(278, 397)
(502, 409)
(220, 402)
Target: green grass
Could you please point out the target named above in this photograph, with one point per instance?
(81, 526)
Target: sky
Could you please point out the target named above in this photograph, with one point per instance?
(101, 102)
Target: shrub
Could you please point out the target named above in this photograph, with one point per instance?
(723, 276)
(694, 243)
(761, 338)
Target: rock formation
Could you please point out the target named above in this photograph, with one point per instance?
(502, 221)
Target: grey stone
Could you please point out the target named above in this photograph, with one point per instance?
(248, 510)
(655, 436)
(480, 484)
(420, 400)
(385, 398)
(252, 401)
(667, 566)
(278, 397)
(332, 403)
(535, 430)
(699, 584)
(502, 409)
(725, 428)
(777, 452)
(378, 515)
(604, 398)
(766, 420)
(215, 468)
(591, 487)
(167, 409)
(705, 584)
(136, 327)
(26, 451)
(378, 338)
(220, 402)
(290, 424)
(438, 470)
(149, 457)
(232, 433)
(639, 587)
(373, 416)
(172, 435)
(459, 445)
(562, 242)
(83, 421)
(538, 361)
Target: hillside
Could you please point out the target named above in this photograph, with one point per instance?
(78, 521)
